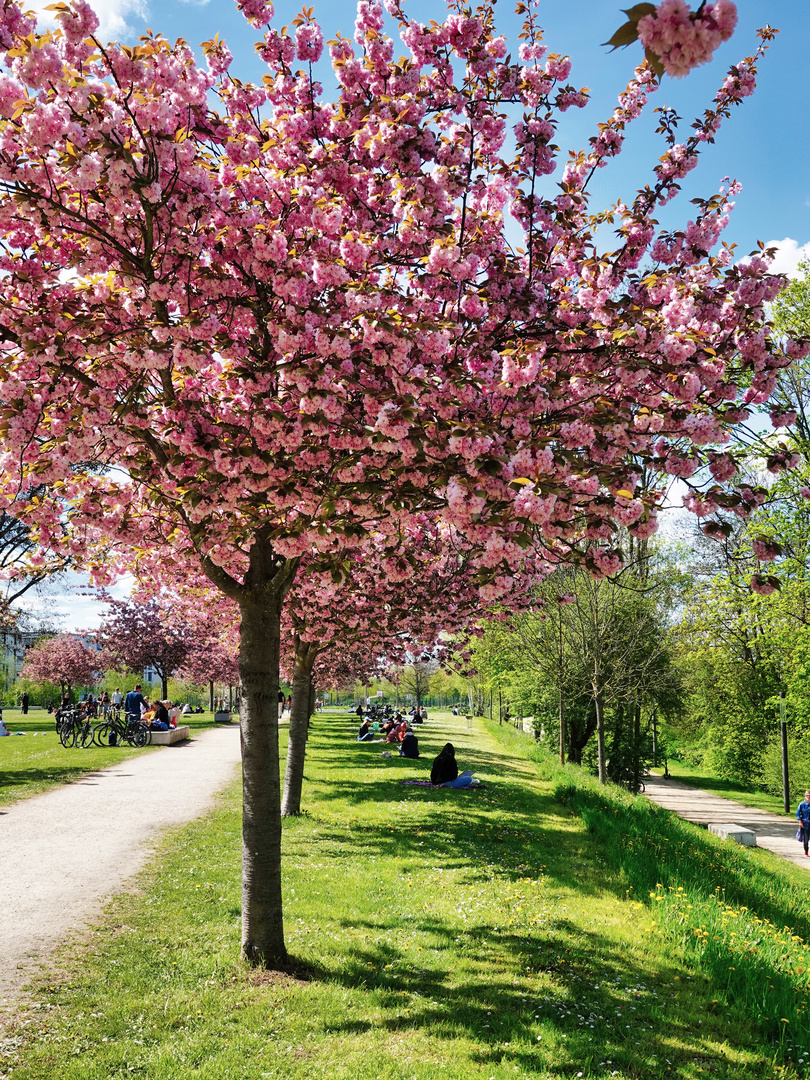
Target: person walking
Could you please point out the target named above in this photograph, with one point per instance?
(24, 704)
(803, 817)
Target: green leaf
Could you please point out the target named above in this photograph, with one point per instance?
(628, 32)
(655, 62)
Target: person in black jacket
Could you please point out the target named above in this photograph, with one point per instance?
(445, 770)
(409, 747)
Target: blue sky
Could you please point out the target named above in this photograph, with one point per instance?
(765, 144)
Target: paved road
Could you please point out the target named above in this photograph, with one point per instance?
(776, 832)
(63, 852)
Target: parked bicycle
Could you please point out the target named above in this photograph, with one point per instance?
(117, 730)
(634, 782)
(74, 727)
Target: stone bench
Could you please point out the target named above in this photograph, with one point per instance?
(736, 833)
(168, 738)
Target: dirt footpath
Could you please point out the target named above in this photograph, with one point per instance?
(775, 832)
(63, 852)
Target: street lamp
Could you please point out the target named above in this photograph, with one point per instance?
(783, 729)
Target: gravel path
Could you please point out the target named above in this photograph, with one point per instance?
(63, 852)
(775, 832)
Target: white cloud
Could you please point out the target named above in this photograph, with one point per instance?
(788, 256)
(113, 16)
(69, 602)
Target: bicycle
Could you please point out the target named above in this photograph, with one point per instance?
(66, 721)
(113, 731)
(634, 783)
(73, 725)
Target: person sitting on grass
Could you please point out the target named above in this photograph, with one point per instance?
(409, 747)
(393, 735)
(445, 770)
(365, 734)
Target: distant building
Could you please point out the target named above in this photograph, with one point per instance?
(151, 677)
(13, 647)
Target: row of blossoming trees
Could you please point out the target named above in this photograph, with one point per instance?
(250, 333)
(191, 642)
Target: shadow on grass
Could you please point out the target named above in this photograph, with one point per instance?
(60, 774)
(455, 821)
(590, 981)
(596, 1001)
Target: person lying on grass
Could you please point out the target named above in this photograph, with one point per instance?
(445, 770)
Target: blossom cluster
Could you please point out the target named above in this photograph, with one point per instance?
(293, 324)
(682, 39)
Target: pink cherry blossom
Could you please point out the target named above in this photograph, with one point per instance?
(683, 39)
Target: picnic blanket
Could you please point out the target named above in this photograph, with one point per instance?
(427, 783)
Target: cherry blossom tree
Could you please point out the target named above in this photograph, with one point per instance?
(383, 609)
(137, 636)
(279, 324)
(213, 622)
(63, 659)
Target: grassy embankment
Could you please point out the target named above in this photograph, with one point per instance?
(487, 933)
(35, 761)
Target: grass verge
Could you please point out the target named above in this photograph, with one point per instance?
(35, 761)
(469, 934)
(697, 776)
(741, 913)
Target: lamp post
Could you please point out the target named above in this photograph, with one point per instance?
(783, 728)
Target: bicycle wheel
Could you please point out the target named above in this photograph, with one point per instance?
(140, 735)
(105, 734)
(67, 733)
(85, 735)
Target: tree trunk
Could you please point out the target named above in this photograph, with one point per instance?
(164, 686)
(300, 711)
(210, 695)
(600, 733)
(562, 726)
(262, 916)
(617, 759)
(636, 746)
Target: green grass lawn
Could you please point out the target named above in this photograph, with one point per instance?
(476, 935)
(35, 761)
